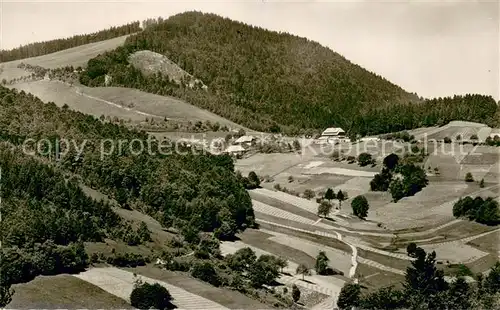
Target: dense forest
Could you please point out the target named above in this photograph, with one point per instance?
(255, 76)
(47, 47)
(202, 190)
(45, 219)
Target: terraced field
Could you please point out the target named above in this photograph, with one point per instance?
(120, 283)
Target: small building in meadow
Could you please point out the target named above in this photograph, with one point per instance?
(245, 140)
(333, 135)
(235, 150)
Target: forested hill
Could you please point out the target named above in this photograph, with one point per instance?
(193, 192)
(274, 81)
(47, 47)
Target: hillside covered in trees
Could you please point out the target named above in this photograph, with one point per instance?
(47, 47)
(198, 190)
(255, 77)
(46, 216)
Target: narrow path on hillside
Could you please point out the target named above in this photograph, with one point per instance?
(340, 225)
(331, 286)
(81, 93)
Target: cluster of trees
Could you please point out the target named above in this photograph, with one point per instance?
(399, 136)
(401, 179)
(258, 271)
(484, 211)
(495, 141)
(365, 159)
(22, 264)
(254, 76)
(325, 207)
(47, 47)
(250, 182)
(425, 288)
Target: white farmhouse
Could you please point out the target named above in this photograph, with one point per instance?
(333, 132)
(244, 140)
(333, 135)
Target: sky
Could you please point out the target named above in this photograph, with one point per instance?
(432, 48)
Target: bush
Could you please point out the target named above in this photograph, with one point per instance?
(469, 177)
(447, 140)
(178, 264)
(295, 293)
(127, 260)
(150, 296)
(253, 180)
(309, 193)
(206, 272)
(365, 159)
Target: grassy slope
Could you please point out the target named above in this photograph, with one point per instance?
(169, 107)
(63, 292)
(75, 56)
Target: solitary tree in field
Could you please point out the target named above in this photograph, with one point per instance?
(321, 265)
(330, 194)
(360, 206)
(341, 197)
(481, 184)
(324, 208)
(303, 270)
(150, 296)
